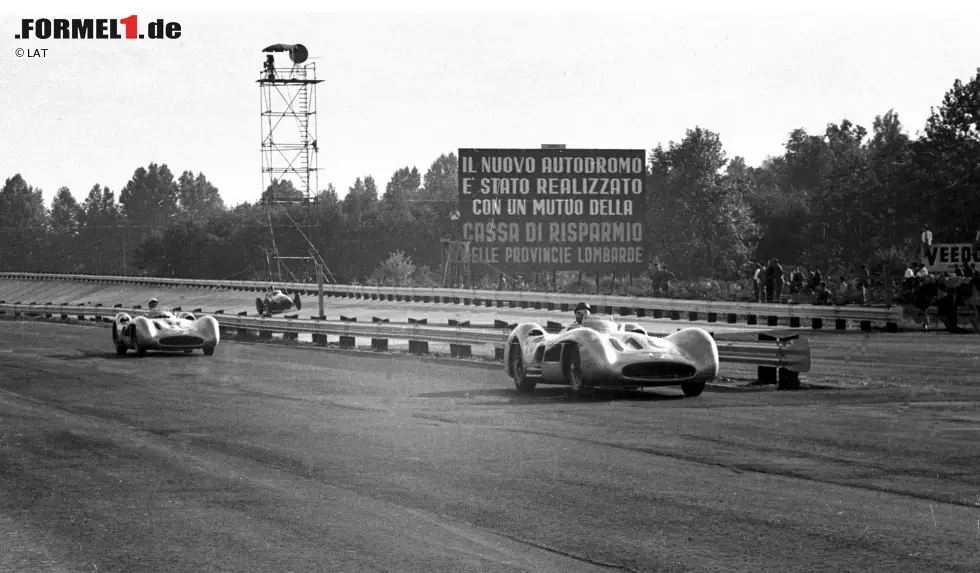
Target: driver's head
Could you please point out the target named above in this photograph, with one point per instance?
(153, 303)
(582, 310)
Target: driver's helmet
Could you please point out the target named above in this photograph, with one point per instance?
(153, 304)
(582, 310)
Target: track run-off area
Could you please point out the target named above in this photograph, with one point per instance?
(269, 457)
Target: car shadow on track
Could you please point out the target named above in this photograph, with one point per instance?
(89, 354)
(556, 394)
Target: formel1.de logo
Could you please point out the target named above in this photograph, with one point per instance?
(96, 29)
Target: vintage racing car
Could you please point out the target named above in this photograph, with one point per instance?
(603, 354)
(165, 331)
(276, 302)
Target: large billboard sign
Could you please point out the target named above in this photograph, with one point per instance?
(533, 210)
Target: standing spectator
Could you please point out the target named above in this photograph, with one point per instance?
(864, 283)
(921, 275)
(910, 276)
(777, 279)
(926, 240)
(957, 271)
(770, 286)
(757, 282)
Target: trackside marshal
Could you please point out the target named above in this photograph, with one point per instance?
(532, 210)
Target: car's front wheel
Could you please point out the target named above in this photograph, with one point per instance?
(140, 351)
(208, 350)
(522, 382)
(692, 389)
(573, 372)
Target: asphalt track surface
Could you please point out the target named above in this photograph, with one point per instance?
(271, 458)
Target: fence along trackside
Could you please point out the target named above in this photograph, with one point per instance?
(790, 356)
(623, 305)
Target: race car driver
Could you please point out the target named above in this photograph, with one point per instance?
(582, 311)
(154, 309)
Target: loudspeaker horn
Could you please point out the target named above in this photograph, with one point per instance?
(298, 53)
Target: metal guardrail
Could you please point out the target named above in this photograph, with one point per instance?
(790, 354)
(641, 306)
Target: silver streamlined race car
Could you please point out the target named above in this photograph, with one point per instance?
(165, 331)
(603, 354)
(276, 302)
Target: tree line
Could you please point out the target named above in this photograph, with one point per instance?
(841, 197)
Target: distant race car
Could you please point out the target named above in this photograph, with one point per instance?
(277, 302)
(603, 354)
(165, 331)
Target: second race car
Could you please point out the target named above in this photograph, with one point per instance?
(276, 302)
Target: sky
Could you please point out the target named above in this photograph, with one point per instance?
(407, 82)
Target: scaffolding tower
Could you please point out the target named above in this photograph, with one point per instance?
(456, 264)
(290, 172)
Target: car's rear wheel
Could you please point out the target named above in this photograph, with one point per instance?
(692, 389)
(573, 371)
(522, 382)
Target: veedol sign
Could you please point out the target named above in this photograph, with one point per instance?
(942, 256)
(532, 210)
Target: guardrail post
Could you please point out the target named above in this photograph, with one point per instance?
(692, 315)
(794, 322)
(347, 342)
(732, 318)
(657, 313)
(379, 344)
(418, 347)
(767, 374)
(460, 350)
(841, 324)
(320, 339)
(675, 315)
(816, 323)
(773, 321)
(712, 317)
(290, 336)
(788, 380)
(866, 325)
(891, 327)
(498, 353)
(750, 319)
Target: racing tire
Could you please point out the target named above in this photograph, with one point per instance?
(208, 350)
(692, 389)
(259, 306)
(572, 368)
(523, 383)
(120, 345)
(298, 303)
(140, 351)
